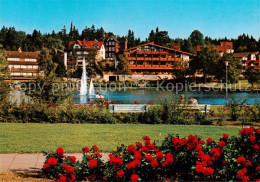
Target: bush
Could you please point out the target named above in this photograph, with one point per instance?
(177, 159)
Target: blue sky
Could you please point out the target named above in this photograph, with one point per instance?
(215, 18)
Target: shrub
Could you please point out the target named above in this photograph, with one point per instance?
(177, 159)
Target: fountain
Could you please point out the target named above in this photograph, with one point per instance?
(91, 88)
(83, 81)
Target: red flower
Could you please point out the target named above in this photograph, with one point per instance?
(247, 131)
(202, 142)
(134, 178)
(252, 139)
(258, 131)
(245, 178)
(52, 161)
(46, 166)
(159, 155)
(209, 141)
(256, 147)
(257, 168)
(225, 136)
(92, 177)
(131, 165)
(169, 161)
(221, 144)
(247, 164)
(70, 169)
(118, 162)
(208, 171)
(93, 163)
(224, 163)
(144, 149)
(72, 159)
(62, 179)
(215, 152)
(72, 177)
(85, 149)
(131, 149)
(240, 174)
(199, 168)
(154, 164)
(198, 148)
(149, 157)
(200, 154)
(95, 148)
(138, 144)
(120, 174)
(60, 151)
(177, 142)
(146, 138)
(241, 160)
(98, 154)
(138, 155)
(64, 167)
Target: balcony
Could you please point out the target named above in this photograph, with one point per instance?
(152, 67)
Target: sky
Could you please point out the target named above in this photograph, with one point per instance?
(214, 18)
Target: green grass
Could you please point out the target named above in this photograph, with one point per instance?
(30, 138)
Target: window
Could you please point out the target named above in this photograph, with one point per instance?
(113, 43)
(13, 59)
(113, 48)
(110, 43)
(109, 54)
(109, 48)
(30, 60)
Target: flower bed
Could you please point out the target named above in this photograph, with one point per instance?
(189, 158)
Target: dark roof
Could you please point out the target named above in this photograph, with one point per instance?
(244, 54)
(17, 54)
(152, 43)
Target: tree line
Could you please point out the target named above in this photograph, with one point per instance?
(12, 39)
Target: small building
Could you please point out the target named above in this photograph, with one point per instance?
(249, 60)
(111, 46)
(23, 65)
(224, 47)
(77, 50)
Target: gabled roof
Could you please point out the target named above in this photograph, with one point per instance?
(18, 54)
(87, 44)
(210, 47)
(229, 45)
(152, 43)
(244, 54)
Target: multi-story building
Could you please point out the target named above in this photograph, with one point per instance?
(152, 62)
(249, 60)
(77, 50)
(224, 47)
(112, 47)
(23, 65)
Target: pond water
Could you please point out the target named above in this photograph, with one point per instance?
(151, 95)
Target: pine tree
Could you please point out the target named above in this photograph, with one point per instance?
(4, 87)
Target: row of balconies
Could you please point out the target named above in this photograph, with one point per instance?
(154, 59)
(151, 52)
(152, 67)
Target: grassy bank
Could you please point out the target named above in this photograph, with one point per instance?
(30, 138)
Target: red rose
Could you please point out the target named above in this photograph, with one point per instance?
(245, 178)
(138, 144)
(200, 154)
(241, 160)
(70, 169)
(224, 163)
(247, 164)
(247, 131)
(258, 131)
(137, 162)
(147, 143)
(198, 148)
(209, 141)
(118, 162)
(144, 149)
(256, 147)
(85, 149)
(208, 171)
(46, 166)
(72, 177)
(199, 168)
(52, 161)
(120, 174)
(159, 155)
(95, 148)
(221, 144)
(138, 155)
(62, 179)
(131, 165)
(177, 142)
(202, 142)
(64, 167)
(92, 177)
(146, 138)
(131, 149)
(72, 159)
(134, 178)
(225, 136)
(154, 164)
(257, 168)
(60, 151)
(93, 163)
(149, 157)
(252, 139)
(169, 161)
(98, 154)
(240, 174)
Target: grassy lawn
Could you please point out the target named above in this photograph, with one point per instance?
(29, 138)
